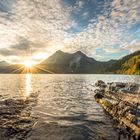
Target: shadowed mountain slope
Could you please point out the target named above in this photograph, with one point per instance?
(78, 63)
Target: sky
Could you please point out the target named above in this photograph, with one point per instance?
(35, 29)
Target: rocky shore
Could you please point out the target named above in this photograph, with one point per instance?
(122, 102)
(16, 121)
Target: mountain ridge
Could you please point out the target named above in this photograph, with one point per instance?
(79, 63)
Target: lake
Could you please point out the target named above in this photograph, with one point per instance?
(63, 106)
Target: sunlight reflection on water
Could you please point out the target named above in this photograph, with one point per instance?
(28, 87)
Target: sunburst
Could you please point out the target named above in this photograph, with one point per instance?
(31, 67)
(28, 63)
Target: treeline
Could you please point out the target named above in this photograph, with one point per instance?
(129, 64)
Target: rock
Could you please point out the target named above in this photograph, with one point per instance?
(24, 121)
(98, 96)
(15, 119)
(101, 90)
(5, 111)
(138, 89)
(124, 90)
(12, 102)
(135, 112)
(100, 83)
(118, 84)
(138, 122)
(121, 101)
(110, 88)
(133, 87)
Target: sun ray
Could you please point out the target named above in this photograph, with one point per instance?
(28, 68)
(44, 69)
(17, 70)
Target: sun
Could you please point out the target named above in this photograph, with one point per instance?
(28, 63)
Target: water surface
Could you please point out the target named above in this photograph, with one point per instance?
(64, 105)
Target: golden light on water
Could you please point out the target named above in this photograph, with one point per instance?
(28, 87)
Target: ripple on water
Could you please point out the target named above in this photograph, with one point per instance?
(63, 105)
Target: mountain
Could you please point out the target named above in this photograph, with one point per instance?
(12, 68)
(3, 66)
(132, 66)
(78, 63)
(3, 63)
(129, 64)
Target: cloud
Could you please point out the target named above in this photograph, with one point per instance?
(80, 3)
(46, 26)
(21, 51)
(111, 28)
(133, 46)
(112, 50)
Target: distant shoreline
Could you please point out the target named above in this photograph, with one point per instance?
(66, 74)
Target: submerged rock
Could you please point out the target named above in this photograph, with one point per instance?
(122, 102)
(15, 119)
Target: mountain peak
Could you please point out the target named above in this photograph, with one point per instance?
(59, 51)
(80, 53)
(3, 63)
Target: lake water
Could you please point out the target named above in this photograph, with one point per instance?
(64, 105)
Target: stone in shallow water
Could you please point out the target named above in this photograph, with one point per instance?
(15, 120)
(99, 83)
(99, 96)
